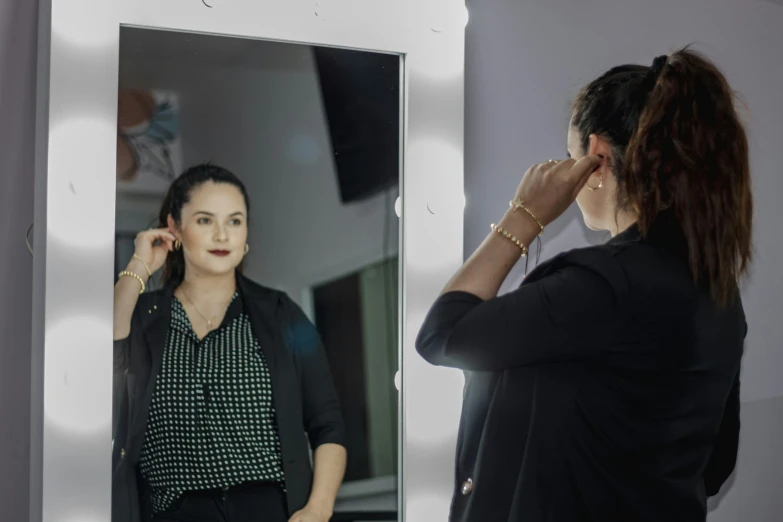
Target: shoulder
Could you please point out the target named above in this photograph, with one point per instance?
(267, 299)
(258, 291)
(636, 269)
(629, 269)
(602, 261)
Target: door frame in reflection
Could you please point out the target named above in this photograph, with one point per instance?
(382, 484)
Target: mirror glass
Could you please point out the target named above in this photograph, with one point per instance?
(221, 387)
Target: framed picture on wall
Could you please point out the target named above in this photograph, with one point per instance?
(149, 153)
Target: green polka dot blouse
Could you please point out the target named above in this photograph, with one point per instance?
(212, 420)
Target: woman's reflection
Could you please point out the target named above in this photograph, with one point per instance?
(221, 377)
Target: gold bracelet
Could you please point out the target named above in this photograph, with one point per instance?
(136, 256)
(128, 273)
(505, 233)
(517, 203)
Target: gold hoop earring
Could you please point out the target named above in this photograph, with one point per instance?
(247, 248)
(600, 184)
(177, 244)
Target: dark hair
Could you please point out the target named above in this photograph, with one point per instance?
(178, 196)
(678, 143)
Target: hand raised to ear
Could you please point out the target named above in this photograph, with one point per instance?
(548, 189)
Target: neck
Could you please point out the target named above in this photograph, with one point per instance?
(624, 221)
(209, 286)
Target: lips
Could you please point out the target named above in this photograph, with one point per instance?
(220, 253)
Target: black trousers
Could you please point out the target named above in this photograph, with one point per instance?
(257, 502)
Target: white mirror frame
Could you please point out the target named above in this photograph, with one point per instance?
(71, 403)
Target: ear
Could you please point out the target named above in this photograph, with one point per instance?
(599, 146)
(172, 225)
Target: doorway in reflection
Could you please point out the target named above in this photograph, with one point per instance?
(314, 135)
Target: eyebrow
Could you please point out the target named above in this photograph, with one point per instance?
(237, 213)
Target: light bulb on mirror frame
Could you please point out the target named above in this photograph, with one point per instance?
(465, 16)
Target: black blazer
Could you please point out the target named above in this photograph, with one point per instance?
(303, 392)
(605, 388)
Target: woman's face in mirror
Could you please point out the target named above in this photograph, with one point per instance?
(213, 228)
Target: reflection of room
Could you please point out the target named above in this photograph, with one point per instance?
(256, 108)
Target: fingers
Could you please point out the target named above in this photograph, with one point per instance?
(581, 170)
(158, 233)
(153, 235)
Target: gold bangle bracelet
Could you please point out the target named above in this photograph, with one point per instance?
(505, 233)
(136, 256)
(517, 203)
(128, 273)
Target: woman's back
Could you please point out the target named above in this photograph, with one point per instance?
(652, 406)
(620, 431)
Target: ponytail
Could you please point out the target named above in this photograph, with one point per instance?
(679, 143)
(174, 267)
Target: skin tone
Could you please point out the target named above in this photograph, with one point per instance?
(215, 219)
(547, 189)
(599, 207)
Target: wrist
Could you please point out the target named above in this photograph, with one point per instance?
(321, 506)
(521, 225)
(138, 268)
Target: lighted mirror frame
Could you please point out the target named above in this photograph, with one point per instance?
(71, 403)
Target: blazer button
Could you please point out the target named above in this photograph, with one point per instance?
(467, 487)
(122, 453)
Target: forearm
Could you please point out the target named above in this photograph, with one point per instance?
(485, 270)
(126, 295)
(329, 469)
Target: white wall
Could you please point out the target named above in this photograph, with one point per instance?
(525, 61)
(265, 122)
(18, 27)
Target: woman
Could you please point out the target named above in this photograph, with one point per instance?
(222, 377)
(606, 387)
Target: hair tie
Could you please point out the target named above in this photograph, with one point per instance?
(657, 67)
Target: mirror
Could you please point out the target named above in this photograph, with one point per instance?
(313, 136)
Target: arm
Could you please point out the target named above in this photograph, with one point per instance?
(126, 295)
(724, 451)
(323, 419)
(329, 468)
(573, 312)
(485, 270)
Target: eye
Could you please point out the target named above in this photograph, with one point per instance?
(203, 221)
(236, 221)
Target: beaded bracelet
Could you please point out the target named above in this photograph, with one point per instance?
(505, 233)
(517, 203)
(128, 273)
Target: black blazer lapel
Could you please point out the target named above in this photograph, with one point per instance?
(261, 307)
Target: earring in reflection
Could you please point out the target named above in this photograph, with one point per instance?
(177, 244)
(600, 184)
(247, 248)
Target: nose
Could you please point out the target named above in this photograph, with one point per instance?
(220, 233)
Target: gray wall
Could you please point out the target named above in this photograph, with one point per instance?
(525, 61)
(18, 27)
